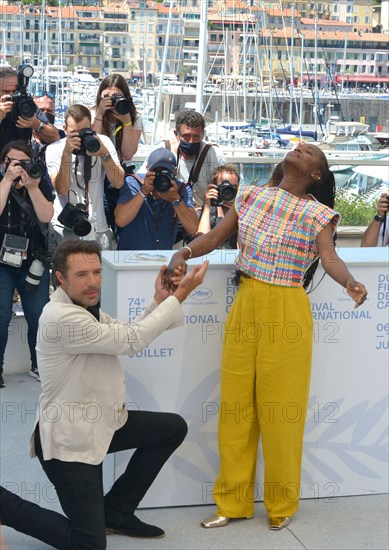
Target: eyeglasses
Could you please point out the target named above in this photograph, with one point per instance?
(42, 93)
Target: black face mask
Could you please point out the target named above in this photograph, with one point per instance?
(50, 118)
(190, 148)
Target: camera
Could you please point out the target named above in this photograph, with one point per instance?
(89, 142)
(121, 104)
(23, 103)
(225, 193)
(163, 181)
(40, 263)
(75, 217)
(34, 169)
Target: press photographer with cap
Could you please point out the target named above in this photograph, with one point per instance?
(26, 207)
(20, 118)
(149, 209)
(77, 165)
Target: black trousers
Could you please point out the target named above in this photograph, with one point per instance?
(79, 486)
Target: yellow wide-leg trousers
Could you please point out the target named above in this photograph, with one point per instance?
(264, 393)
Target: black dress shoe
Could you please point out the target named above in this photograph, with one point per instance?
(132, 526)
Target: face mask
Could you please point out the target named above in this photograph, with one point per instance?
(190, 148)
(50, 118)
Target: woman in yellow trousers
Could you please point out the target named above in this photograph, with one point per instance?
(283, 231)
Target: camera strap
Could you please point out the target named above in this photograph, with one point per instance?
(87, 177)
(28, 209)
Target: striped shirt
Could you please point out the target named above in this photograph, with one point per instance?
(277, 232)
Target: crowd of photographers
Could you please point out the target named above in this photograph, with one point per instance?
(79, 183)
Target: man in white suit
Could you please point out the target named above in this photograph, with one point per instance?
(82, 417)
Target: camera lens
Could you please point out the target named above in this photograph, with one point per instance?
(91, 144)
(162, 181)
(81, 225)
(120, 104)
(34, 169)
(34, 275)
(27, 108)
(226, 191)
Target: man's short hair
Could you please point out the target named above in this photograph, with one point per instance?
(191, 119)
(8, 72)
(67, 248)
(78, 113)
(229, 168)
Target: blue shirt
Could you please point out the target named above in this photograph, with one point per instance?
(156, 224)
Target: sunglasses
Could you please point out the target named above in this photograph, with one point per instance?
(43, 93)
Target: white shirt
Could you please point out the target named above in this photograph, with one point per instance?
(76, 194)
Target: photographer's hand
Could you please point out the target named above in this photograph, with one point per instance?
(44, 209)
(147, 187)
(105, 105)
(171, 194)
(32, 122)
(211, 194)
(73, 141)
(6, 105)
(383, 205)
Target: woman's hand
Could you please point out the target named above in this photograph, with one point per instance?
(191, 281)
(161, 291)
(175, 270)
(14, 172)
(357, 291)
(28, 182)
(105, 105)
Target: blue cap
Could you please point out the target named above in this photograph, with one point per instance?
(161, 158)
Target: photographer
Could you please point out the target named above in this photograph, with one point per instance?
(13, 99)
(149, 210)
(77, 166)
(25, 210)
(218, 200)
(115, 116)
(377, 233)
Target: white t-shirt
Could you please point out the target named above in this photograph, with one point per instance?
(76, 194)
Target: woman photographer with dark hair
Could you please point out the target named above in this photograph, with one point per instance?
(115, 116)
(26, 207)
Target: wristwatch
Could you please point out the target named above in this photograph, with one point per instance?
(176, 202)
(379, 218)
(107, 156)
(40, 128)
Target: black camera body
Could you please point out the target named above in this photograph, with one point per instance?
(89, 142)
(121, 104)
(42, 261)
(75, 217)
(163, 181)
(23, 103)
(225, 193)
(35, 169)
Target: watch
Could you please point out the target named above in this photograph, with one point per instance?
(40, 127)
(177, 202)
(378, 218)
(107, 156)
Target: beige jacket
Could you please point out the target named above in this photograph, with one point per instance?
(83, 384)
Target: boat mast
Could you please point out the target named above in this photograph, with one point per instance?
(163, 67)
(291, 58)
(202, 56)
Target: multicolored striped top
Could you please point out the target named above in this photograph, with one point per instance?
(277, 233)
